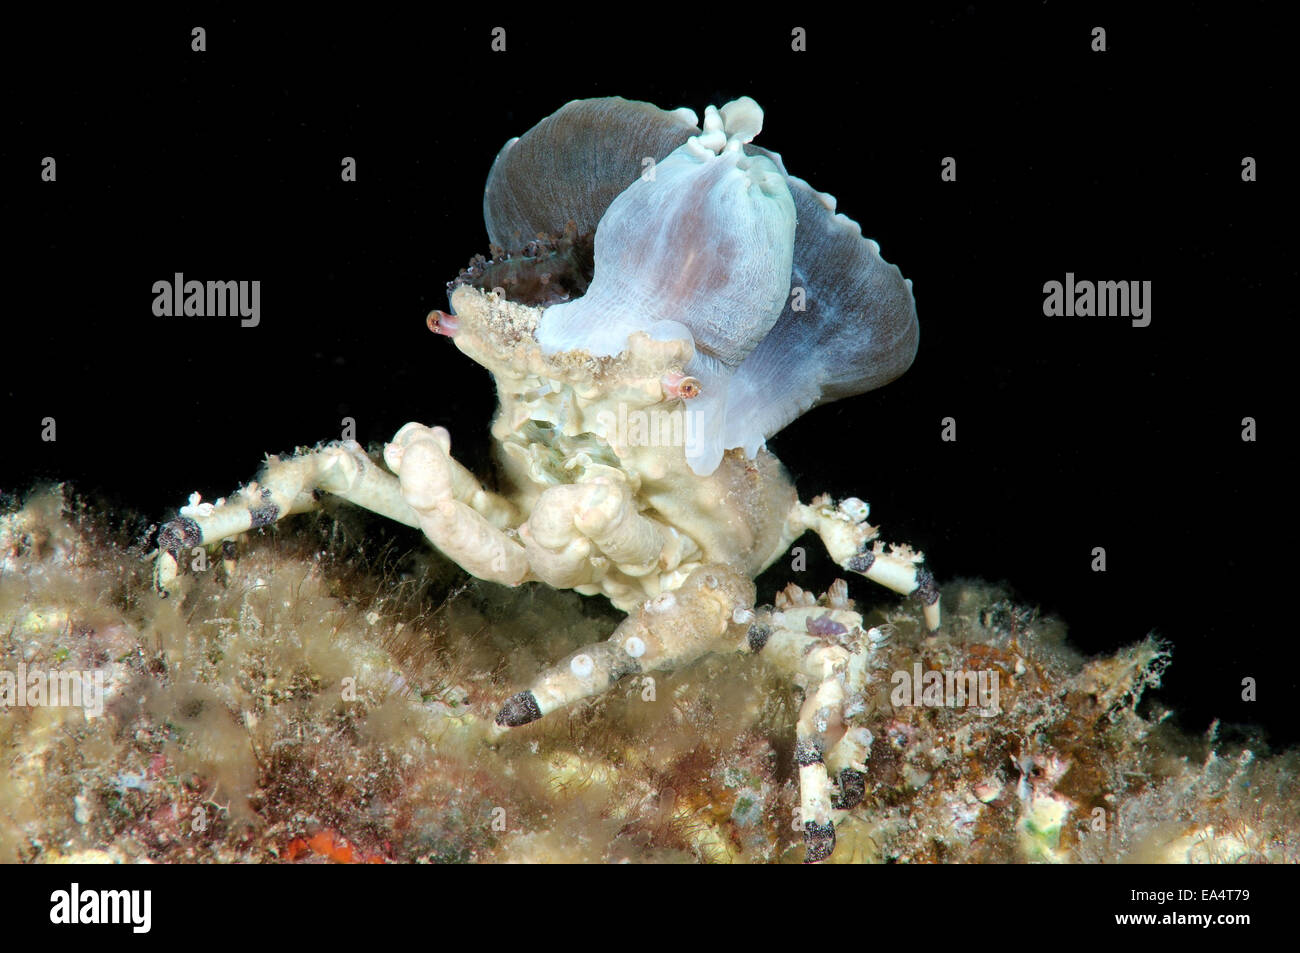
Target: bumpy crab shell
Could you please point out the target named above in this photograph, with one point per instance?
(570, 419)
(701, 235)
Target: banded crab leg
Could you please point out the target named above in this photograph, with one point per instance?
(854, 545)
(709, 613)
(288, 486)
(825, 647)
(284, 487)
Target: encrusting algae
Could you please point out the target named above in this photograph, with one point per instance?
(311, 701)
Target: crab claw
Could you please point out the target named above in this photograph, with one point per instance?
(440, 322)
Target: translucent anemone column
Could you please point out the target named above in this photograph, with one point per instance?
(699, 248)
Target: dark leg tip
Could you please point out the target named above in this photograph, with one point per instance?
(519, 710)
(180, 534)
(818, 841)
(758, 636)
(853, 788)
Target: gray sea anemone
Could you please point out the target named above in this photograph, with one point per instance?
(701, 235)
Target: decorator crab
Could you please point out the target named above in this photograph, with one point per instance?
(661, 298)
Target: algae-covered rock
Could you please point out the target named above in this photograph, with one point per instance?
(320, 699)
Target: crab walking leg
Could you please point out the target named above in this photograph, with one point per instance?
(428, 477)
(823, 740)
(814, 783)
(284, 487)
(668, 631)
(852, 543)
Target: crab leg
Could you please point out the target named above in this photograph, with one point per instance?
(814, 783)
(852, 543)
(666, 632)
(437, 488)
(288, 486)
(283, 488)
(802, 642)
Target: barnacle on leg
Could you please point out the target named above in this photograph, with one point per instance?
(284, 487)
(708, 612)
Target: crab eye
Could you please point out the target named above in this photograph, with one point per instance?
(678, 385)
(440, 322)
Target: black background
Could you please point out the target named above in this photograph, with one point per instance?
(1072, 432)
